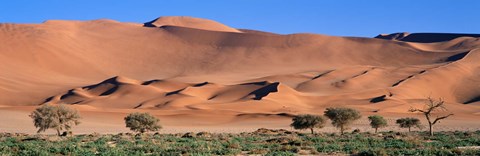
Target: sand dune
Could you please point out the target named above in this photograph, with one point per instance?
(184, 67)
(189, 22)
(462, 86)
(424, 37)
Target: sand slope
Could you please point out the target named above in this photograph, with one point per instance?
(184, 66)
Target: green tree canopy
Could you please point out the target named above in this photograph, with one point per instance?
(408, 123)
(308, 121)
(57, 117)
(342, 117)
(377, 121)
(142, 122)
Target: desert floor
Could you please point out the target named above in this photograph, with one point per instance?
(16, 120)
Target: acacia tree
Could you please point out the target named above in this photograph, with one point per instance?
(432, 106)
(308, 121)
(142, 122)
(408, 123)
(58, 117)
(342, 117)
(377, 121)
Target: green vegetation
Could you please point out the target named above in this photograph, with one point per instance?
(342, 117)
(142, 122)
(262, 141)
(409, 123)
(308, 121)
(57, 117)
(377, 121)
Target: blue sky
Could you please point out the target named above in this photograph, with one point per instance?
(332, 17)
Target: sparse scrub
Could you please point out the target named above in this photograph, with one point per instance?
(442, 143)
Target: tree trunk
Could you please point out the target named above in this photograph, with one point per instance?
(58, 132)
(427, 115)
(376, 130)
(311, 129)
(341, 130)
(409, 129)
(431, 129)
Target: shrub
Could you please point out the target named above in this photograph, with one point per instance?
(308, 121)
(59, 117)
(342, 117)
(373, 152)
(142, 122)
(377, 121)
(408, 123)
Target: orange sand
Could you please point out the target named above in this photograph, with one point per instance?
(198, 74)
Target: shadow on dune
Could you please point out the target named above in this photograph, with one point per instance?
(265, 115)
(476, 99)
(264, 91)
(174, 92)
(457, 57)
(200, 84)
(424, 37)
(378, 99)
(260, 83)
(69, 93)
(150, 82)
(110, 91)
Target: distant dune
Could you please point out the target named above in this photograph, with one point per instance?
(424, 37)
(185, 66)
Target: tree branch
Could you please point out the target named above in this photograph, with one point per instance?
(441, 118)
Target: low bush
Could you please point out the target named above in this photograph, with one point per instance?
(417, 143)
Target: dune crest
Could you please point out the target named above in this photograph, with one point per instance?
(424, 37)
(190, 22)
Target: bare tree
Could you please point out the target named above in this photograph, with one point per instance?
(432, 106)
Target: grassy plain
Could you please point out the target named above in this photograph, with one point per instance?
(260, 142)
